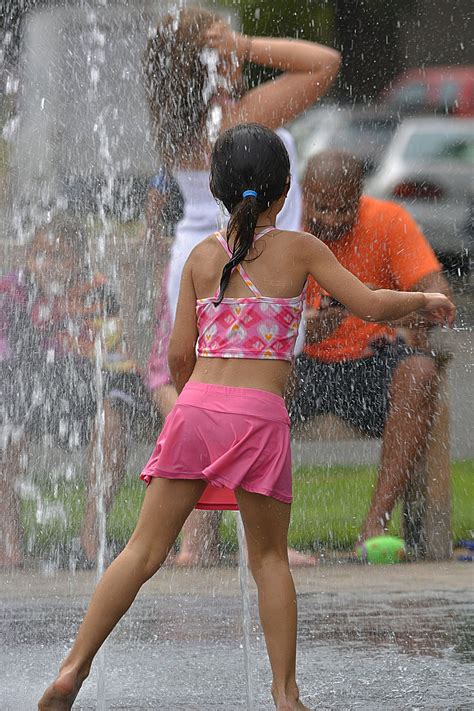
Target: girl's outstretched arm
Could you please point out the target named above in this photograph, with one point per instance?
(368, 304)
(309, 70)
(182, 347)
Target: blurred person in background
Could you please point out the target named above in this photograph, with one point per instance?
(52, 312)
(365, 373)
(193, 76)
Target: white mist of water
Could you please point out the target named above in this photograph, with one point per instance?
(244, 579)
(101, 512)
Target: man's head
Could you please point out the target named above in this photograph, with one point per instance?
(56, 255)
(332, 187)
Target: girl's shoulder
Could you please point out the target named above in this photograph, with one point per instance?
(207, 248)
(299, 239)
(304, 246)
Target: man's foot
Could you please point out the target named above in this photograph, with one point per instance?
(301, 560)
(61, 694)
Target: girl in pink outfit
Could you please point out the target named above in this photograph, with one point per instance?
(240, 301)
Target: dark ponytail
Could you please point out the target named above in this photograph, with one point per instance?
(242, 223)
(246, 157)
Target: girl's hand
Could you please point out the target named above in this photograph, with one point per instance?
(438, 309)
(221, 37)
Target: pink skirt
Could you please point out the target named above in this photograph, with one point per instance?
(230, 437)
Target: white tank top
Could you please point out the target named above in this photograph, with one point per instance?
(202, 216)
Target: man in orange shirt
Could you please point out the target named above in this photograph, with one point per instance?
(363, 372)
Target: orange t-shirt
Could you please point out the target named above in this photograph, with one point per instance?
(385, 250)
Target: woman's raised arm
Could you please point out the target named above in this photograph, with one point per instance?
(309, 70)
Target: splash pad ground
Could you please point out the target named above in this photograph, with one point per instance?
(398, 637)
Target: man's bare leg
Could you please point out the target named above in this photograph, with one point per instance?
(11, 538)
(115, 451)
(407, 429)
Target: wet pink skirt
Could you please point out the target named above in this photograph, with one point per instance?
(230, 437)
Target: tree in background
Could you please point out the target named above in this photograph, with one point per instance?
(366, 31)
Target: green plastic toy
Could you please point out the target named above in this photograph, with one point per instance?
(382, 550)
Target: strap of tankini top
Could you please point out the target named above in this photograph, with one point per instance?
(240, 269)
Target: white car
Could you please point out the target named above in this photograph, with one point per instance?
(362, 131)
(429, 169)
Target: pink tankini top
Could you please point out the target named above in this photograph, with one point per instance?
(258, 327)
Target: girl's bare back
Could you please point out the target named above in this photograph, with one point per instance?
(272, 269)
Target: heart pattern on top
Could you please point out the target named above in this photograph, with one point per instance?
(251, 328)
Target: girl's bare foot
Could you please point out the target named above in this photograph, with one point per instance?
(61, 694)
(291, 705)
(288, 702)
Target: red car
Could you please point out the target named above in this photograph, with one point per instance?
(447, 90)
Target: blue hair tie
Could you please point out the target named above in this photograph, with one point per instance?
(249, 193)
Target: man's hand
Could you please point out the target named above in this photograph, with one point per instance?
(322, 322)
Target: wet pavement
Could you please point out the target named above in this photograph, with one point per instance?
(398, 637)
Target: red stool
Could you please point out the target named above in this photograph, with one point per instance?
(217, 498)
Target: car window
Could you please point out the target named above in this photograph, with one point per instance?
(310, 129)
(448, 93)
(414, 94)
(366, 131)
(441, 146)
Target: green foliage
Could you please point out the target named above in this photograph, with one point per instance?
(292, 18)
(330, 505)
(312, 21)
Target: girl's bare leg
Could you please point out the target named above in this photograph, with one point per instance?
(266, 524)
(165, 508)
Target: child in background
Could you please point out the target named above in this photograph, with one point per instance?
(51, 313)
(230, 426)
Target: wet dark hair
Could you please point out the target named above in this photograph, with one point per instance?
(176, 77)
(247, 157)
